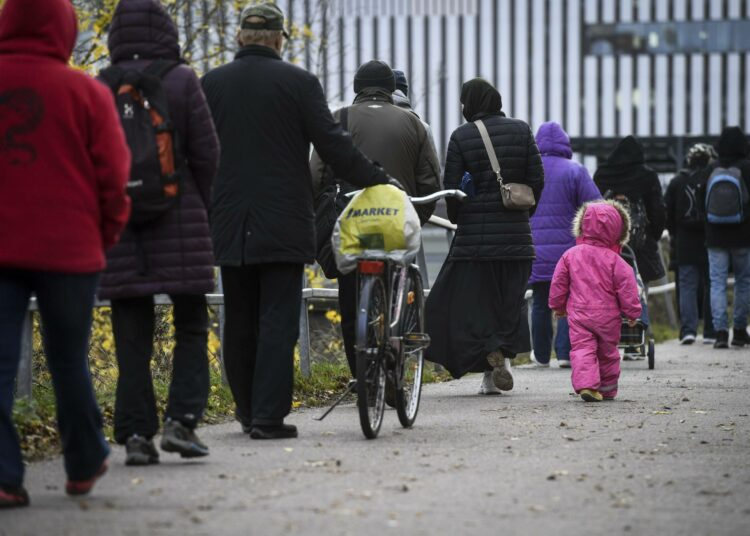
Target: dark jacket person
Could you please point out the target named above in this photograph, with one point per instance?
(267, 112)
(171, 255)
(398, 141)
(476, 311)
(624, 173)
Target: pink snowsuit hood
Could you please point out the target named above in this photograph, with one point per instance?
(602, 223)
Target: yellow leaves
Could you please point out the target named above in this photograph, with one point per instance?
(333, 317)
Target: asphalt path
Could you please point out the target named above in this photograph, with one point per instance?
(670, 456)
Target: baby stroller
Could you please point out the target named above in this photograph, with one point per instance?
(638, 337)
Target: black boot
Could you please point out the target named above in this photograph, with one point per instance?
(740, 337)
(722, 339)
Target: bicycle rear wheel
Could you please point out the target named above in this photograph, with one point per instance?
(370, 344)
(411, 364)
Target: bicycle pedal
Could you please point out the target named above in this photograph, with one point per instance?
(417, 339)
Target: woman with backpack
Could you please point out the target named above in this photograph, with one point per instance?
(166, 248)
(685, 221)
(476, 313)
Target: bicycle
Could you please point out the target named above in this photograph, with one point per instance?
(389, 334)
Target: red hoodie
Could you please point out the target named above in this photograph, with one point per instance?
(64, 162)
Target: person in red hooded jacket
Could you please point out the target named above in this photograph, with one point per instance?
(64, 166)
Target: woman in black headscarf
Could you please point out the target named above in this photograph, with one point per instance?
(476, 313)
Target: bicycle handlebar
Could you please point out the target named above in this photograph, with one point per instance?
(458, 194)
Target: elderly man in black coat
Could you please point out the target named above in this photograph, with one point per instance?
(267, 113)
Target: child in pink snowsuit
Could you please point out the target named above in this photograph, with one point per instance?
(593, 286)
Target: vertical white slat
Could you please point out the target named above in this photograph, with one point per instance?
(556, 47)
(591, 73)
(679, 83)
(643, 66)
(697, 96)
(384, 39)
(661, 84)
(351, 60)
(453, 81)
(521, 51)
(715, 77)
(574, 66)
(505, 60)
(539, 81)
(733, 72)
(747, 93)
(402, 51)
(488, 28)
(607, 117)
(627, 79)
(435, 75)
(366, 41)
(417, 93)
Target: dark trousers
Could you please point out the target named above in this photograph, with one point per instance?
(262, 305)
(65, 304)
(133, 326)
(541, 326)
(348, 309)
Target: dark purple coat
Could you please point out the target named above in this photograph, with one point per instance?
(178, 249)
(567, 186)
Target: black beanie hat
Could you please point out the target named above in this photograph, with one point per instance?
(401, 82)
(374, 73)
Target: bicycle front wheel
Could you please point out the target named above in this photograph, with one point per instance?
(370, 344)
(411, 364)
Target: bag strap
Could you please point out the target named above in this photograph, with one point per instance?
(489, 148)
(112, 76)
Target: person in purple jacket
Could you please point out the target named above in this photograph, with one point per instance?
(567, 186)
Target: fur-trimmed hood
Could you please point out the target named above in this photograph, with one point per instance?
(602, 223)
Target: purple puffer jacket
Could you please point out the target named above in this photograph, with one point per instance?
(567, 186)
(178, 251)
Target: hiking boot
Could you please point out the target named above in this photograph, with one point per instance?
(278, 431)
(488, 386)
(563, 363)
(82, 487)
(177, 437)
(591, 395)
(687, 338)
(13, 497)
(140, 451)
(501, 376)
(722, 339)
(740, 337)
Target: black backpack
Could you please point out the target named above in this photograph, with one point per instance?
(689, 211)
(154, 183)
(639, 221)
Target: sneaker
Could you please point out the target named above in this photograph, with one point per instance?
(536, 362)
(591, 395)
(13, 497)
(740, 337)
(281, 431)
(563, 363)
(82, 487)
(140, 451)
(177, 437)
(687, 339)
(722, 339)
(709, 340)
(488, 387)
(501, 375)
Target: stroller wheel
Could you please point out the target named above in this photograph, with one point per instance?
(651, 354)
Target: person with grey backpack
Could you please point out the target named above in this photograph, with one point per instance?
(726, 205)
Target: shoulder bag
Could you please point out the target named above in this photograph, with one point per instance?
(515, 196)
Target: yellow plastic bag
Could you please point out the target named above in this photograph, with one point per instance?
(379, 221)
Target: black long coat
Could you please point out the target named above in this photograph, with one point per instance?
(625, 172)
(267, 112)
(177, 247)
(486, 230)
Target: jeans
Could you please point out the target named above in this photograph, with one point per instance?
(541, 326)
(262, 304)
(65, 304)
(690, 278)
(133, 326)
(718, 260)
